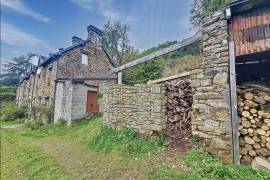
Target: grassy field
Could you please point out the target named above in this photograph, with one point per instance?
(86, 150)
(7, 94)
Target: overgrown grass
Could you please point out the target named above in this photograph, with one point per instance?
(22, 161)
(98, 138)
(127, 142)
(11, 112)
(129, 150)
(180, 65)
(205, 166)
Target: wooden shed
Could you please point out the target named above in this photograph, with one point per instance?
(249, 26)
(249, 29)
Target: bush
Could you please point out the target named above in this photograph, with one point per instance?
(42, 114)
(12, 112)
(126, 141)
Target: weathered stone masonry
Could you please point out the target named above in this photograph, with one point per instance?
(210, 83)
(211, 94)
(61, 82)
(140, 107)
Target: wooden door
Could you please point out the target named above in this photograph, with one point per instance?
(92, 104)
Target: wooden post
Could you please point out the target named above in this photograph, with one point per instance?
(119, 76)
(233, 95)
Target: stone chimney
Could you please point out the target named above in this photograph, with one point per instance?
(76, 40)
(94, 34)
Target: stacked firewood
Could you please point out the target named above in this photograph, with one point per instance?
(179, 111)
(254, 122)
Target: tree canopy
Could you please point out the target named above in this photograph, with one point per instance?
(14, 68)
(116, 41)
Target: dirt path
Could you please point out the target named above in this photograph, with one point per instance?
(11, 126)
(89, 165)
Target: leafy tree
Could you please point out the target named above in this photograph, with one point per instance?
(202, 7)
(14, 68)
(116, 41)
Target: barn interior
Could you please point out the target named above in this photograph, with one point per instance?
(253, 68)
(249, 29)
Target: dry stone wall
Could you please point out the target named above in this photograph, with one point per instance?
(211, 93)
(141, 107)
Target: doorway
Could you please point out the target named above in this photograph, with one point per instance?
(92, 104)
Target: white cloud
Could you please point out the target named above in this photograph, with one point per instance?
(104, 7)
(19, 6)
(12, 35)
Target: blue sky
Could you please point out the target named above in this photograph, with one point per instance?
(44, 26)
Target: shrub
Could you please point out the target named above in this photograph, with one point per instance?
(11, 112)
(126, 141)
(42, 114)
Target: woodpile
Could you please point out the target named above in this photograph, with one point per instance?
(254, 122)
(179, 111)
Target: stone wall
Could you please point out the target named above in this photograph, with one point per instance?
(141, 107)
(45, 85)
(71, 100)
(63, 99)
(211, 93)
(70, 64)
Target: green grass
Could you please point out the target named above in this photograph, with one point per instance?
(12, 122)
(109, 154)
(205, 166)
(127, 142)
(22, 161)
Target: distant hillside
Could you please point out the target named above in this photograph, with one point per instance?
(7, 94)
(184, 59)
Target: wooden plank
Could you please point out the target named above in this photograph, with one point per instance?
(197, 37)
(184, 74)
(233, 95)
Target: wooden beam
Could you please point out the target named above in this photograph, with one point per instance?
(233, 95)
(197, 37)
(184, 74)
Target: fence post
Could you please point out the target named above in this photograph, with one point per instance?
(233, 96)
(119, 76)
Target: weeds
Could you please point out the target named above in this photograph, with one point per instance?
(126, 141)
(11, 112)
(207, 166)
(126, 148)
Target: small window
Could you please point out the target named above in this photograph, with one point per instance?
(38, 71)
(84, 59)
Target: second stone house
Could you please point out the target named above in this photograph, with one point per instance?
(67, 82)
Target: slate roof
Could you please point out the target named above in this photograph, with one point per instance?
(53, 57)
(56, 55)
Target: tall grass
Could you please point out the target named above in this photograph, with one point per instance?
(183, 64)
(11, 112)
(127, 142)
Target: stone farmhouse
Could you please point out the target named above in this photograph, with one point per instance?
(65, 85)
